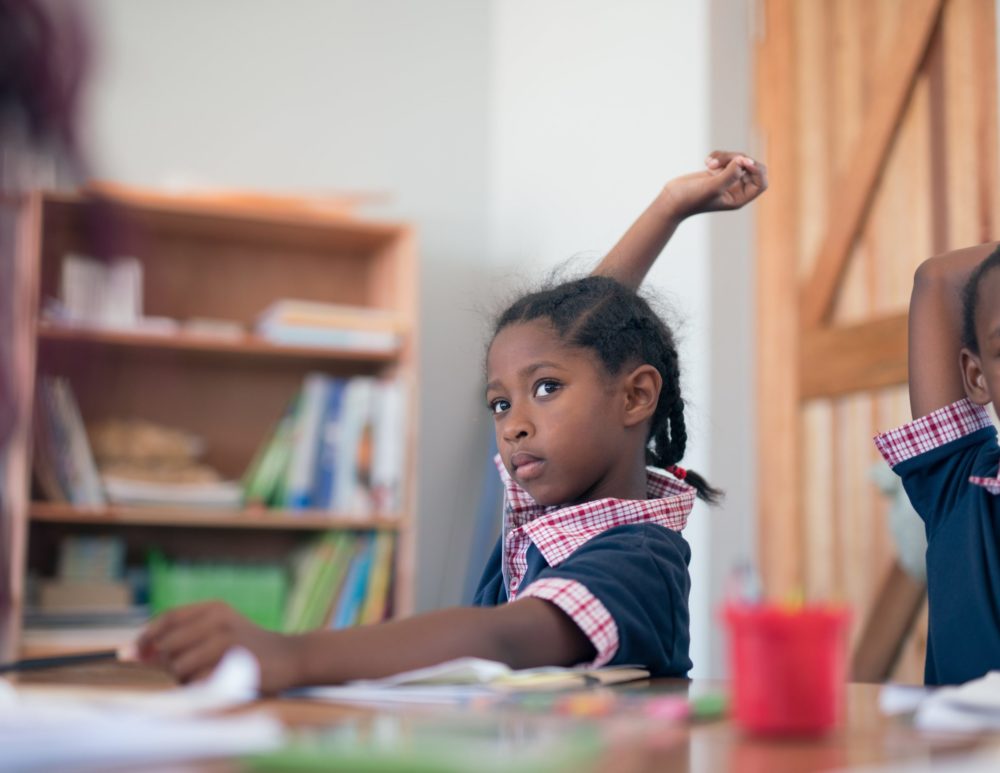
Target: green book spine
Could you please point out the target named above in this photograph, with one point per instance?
(329, 582)
(378, 585)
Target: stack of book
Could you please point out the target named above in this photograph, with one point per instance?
(89, 591)
(95, 293)
(339, 447)
(343, 579)
(308, 323)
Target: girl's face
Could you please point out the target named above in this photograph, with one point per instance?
(561, 419)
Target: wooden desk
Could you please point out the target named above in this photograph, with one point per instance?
(638, 745)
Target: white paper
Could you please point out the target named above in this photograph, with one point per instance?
(54, 728)
(454, 681)
(901, 698)
(235, 681)
(968, 708)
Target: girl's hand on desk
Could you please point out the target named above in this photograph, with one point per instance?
(190, 641)
(729, 181)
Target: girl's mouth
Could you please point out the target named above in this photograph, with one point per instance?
(526, 466)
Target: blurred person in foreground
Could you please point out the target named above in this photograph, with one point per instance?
(42, 65)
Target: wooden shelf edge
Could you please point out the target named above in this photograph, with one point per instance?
(248, 345)
(205, 518)
(304, 213)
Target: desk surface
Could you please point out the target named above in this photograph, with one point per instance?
(634, 744)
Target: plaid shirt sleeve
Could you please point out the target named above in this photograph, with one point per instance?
(931, 431)
(584, 609)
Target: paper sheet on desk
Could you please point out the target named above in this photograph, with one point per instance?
(235, 681)
(43, 728)
(463, 679)
(971, 707)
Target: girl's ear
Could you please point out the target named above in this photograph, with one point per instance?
(642, 393)
(973, 378)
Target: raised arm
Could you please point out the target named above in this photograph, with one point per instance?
(935, 325)
(729, 181)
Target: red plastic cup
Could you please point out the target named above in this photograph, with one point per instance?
(788, 667)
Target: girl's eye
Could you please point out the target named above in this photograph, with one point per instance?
(546, 388)
(499, 406)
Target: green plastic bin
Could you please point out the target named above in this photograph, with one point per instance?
(257, 591)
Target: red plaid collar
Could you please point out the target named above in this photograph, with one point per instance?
(558, 531)
(944, 425)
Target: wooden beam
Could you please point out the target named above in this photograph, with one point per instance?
(853, 358)
(887, 626)
(985, 58)
(780, 527)
(853, 193)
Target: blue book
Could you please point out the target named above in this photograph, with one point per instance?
(352, 595)
(326, 458)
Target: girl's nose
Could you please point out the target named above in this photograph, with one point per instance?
(517, 427)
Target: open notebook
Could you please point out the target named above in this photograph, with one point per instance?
(469, 678)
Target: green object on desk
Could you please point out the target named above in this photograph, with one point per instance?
(708, 706)
(392, 744)
(257, 591)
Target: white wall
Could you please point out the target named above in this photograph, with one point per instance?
(514, 133)
(386, 96)
(594, 106)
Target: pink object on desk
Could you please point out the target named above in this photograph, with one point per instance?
(788, 666)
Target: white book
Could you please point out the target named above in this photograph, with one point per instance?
(349, 493)
(98, 294)
(217, 494)
(86, 488)
(389, 429)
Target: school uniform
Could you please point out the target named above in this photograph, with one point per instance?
(617, 567)
(948, 461)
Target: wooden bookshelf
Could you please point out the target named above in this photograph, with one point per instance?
(225, 260)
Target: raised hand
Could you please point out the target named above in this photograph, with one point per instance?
(729, 181)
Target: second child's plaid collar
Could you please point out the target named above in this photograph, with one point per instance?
(934, 430)
(558, 531)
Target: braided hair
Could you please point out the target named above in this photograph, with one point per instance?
(970, 300)
(603, 315)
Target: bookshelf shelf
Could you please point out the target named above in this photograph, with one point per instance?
(181, 517)
(248, 346)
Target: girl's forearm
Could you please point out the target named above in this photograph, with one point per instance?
(631, 258)
(523, 634)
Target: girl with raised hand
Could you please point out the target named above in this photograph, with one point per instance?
(583, 382)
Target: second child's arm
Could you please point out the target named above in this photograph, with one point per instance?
(191, 640)
(729, 181)
(935, 322)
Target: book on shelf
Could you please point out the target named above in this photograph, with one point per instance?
(212, 494)
(100, 294)
(352, 594)
(337, 448)
(375, 606)
(310, 323)
(63, 461)
(89, 591)
(317, 581)
(341, 579)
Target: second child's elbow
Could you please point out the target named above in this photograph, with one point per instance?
(931, 273)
